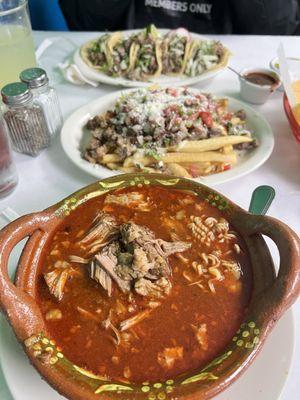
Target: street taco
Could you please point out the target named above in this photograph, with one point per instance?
(146, 55)
(175, 50)
(205, 55)
(119, 55)
(95, 52)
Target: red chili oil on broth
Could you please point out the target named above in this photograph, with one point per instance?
(178, 332)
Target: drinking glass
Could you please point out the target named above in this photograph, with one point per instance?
(8, 173)
(16, 41)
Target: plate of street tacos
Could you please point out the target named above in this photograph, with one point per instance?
(139, 58)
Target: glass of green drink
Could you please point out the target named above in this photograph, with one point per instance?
(16, 42)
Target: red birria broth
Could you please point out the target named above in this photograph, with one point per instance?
(177, 332)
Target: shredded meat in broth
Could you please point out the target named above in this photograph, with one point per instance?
(144, 283)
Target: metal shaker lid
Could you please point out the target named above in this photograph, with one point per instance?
(15, 93)
(34, 77)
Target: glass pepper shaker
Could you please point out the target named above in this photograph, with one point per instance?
(8, 173)
(38, 83)
(25, 119)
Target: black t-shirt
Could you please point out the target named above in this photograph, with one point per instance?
(203, 16)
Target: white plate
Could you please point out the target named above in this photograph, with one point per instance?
(72, 139)
(181, 80)
(264, 380)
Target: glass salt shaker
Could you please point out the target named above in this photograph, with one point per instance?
(25, 119)
(8, 173)
(38, 83)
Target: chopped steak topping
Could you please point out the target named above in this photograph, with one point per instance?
(146, 122)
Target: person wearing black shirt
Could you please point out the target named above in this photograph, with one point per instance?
(273, 17)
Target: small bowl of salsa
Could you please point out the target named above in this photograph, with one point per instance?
(257, 84)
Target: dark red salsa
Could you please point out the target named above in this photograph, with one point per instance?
(260, 78)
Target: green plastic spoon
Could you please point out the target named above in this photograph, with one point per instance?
(261, 199)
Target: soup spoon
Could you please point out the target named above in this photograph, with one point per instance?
(261, 200)
(236, 72)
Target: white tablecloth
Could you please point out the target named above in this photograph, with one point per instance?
(51, 176)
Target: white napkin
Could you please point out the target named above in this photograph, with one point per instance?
(73, 74)
(70, 71)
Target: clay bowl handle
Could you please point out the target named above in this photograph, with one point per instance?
(20, 308)
(286, 287)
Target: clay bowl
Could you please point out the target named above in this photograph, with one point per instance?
(272, 295)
